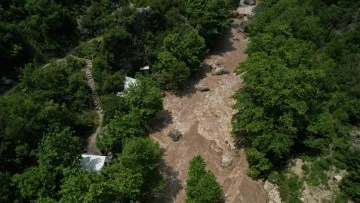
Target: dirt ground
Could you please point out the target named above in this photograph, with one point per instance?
(204, 119)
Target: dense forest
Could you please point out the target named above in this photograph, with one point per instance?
(44, 47)
(301, 97)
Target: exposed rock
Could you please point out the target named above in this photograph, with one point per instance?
(202, 88)
(219, 69)
(175, 135)
(225, 161)
(143, 10)
(297, 167)
(273, 192)
(338, 178)
(240, 16)
(234, 14)
(243, 26)
(319, 193)
(250, 2)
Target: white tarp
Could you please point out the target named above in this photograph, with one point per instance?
(145, 68)
(128, 82)
(92, 162)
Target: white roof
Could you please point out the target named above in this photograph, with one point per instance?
(92, 162)
(128, 82)
(145, 68)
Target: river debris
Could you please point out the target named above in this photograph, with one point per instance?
(219, 69)
(202, 87)
(175, 135)
(250, 2)
(225, 161)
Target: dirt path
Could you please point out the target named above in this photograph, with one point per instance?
(204, 119)
(11, 90)
(91, 147)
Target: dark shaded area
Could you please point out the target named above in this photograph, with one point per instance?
(190, 89)
(161, 121)
(173, 184)
(223, 43)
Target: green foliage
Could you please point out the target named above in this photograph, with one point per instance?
(300, 91)
(22, 118)
(290, 186)
(259, 163)
(187, 46)
(57, 151)
(100, 15)
(112, 104)
(202, 186)
(211, 17)
(51, 110)
(40, 125)
(61, 83)
(137, 170)
(135, 173)
(143, 156)
(36, 182)
(6, 190)
(113, 82)
(76, 185)
(60, 149)
(145, 98)
(120, 128)
(14, 49)
(183, 52)
(89, 49)
(173, 73)
(295, 99)
(83, 186)
(33, 29)
(350, 185)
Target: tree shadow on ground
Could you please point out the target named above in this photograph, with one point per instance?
(223, 43)
(161, 121)
(190, 87)
(173, 184)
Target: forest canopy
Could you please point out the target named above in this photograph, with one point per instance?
(48, 47)
(301, 95)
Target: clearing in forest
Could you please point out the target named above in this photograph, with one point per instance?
(204, 119)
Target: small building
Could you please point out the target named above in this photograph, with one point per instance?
(92, 162)
(145, 68)
(128, 82)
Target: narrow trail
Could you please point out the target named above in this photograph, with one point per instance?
(204, 119)
(10, 90)
(91, 146)
(70, 53)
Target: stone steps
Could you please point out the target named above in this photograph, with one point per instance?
(91, 83)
